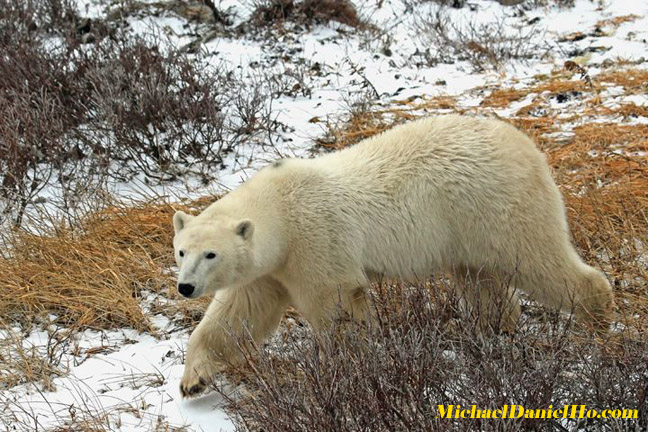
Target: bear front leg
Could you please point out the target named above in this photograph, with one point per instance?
(321, 304)
(254, 309)
(201, 360)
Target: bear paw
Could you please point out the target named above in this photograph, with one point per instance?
(189, 388)
(195, 381)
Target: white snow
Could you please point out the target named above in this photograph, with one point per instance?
(133, 380)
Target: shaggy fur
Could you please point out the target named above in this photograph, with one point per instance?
(469, 195)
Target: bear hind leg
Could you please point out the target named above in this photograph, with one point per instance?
(579, 289)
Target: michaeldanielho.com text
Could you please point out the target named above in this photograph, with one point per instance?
(518, 411)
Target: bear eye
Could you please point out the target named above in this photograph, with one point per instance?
(181, 254)
(210, 255)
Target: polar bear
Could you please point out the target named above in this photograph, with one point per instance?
(469, 195)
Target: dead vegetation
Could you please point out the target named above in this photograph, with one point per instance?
(305, 12)
(423, 351)
(114, 107)
(22, 362)
(92, 275)
(484, 46)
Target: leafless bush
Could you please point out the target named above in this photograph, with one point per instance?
(160, 107)
(543, 3)
(422, 351)
(20, 20)
(484, 46)
(307, 12)
(76, 113)
(523, 3)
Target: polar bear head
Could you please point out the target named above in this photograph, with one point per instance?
(211, 253)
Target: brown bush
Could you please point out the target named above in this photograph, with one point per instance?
(423, 351)
(74, 114)
(307, 12)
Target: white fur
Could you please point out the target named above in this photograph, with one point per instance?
(455, 193)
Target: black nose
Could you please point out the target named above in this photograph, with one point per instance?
(186, 289)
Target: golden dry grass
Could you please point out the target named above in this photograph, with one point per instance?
(90, 276)
(633, 81)
(617, 21)
(21, 362)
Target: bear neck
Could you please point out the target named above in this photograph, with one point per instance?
(268, 243)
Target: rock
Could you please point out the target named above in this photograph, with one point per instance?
(88, 38)
(83, 26)
(195, 11)
(607, 63)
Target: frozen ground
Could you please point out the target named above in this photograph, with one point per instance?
(132, 379)
(123, 380)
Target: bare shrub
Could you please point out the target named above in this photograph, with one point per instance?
(484, 45)
(420, 352)
(25, 19)
(41, 101)
(307, 12)
(75, 114)
(161, 108)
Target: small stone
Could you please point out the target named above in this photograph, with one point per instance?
(607, 63)
(83, 26)
(88, 38)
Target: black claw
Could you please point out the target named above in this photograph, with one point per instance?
(197, 388)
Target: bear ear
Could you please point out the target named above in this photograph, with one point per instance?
(245, 229)
(180, 220)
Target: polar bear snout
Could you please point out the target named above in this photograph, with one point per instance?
(186, 289)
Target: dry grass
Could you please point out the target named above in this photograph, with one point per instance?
(605, 182)
(501, 98)
(617, 21)
(633, 81)
(93, 275)
(21, 362)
